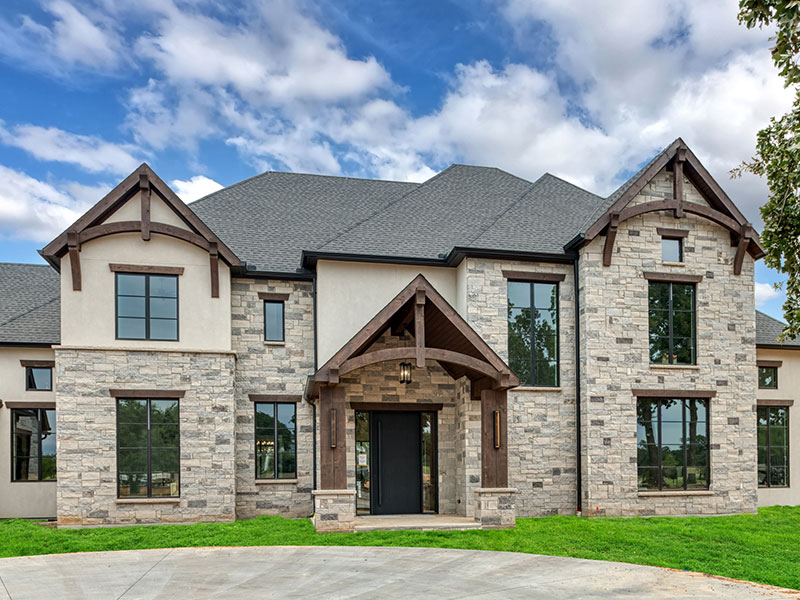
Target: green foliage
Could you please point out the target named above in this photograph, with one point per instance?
(764, 548)
(777, 155)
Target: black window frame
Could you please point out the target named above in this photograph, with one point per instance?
(684, 445)
(768, 387)
(283, 321)
(671, 315)
(532, 334)
(149, 451)
(680, 248)
(147, 318)
(275, 461)
(768, 465)
(29, 377)
(13, 456)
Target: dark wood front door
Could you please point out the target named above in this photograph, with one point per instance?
(397, 463)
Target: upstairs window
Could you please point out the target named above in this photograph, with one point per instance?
(773, 446)
(33, 435)
(671, 249)
(147, 307)
(533, 332)
(38, 379)
(273, 321)
(768, 378)
(672, 323)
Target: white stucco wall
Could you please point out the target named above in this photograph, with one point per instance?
(788, 389)
(349, 294)
(24, 499)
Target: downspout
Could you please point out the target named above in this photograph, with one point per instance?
(578, 462)
(314, 406)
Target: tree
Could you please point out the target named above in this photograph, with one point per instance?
(777, 155)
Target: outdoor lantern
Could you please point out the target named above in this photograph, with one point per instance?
(405, 372)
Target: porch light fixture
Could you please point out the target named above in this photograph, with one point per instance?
(405, 372)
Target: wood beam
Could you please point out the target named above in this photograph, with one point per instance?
(494, 439)
(403, 323)
(611, 236)
(73, 245)
(333, 443)
(744, 242)
(677, 181)
(419, 327)
(213, 259)
(144, 188)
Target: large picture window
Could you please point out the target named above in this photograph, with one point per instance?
(672, 323)
(672, 440)
(147, 307)
(773, 446)
(148, 448)
(33, 435)
(533, 332)
(276, 440)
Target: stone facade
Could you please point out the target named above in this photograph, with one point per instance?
(267, 368)
(496, 508)
(87, 434)
(615, 360)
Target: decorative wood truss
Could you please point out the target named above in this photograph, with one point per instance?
(721, 210)
(92, 225)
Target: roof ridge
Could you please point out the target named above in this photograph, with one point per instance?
(377, 212)
(30, 310)
(763, 314)
(569, 183)
(531, 186)
(17, 264)
(498, 169)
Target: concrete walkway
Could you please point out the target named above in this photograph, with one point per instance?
(350, 572)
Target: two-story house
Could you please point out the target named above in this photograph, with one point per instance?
(476, 345)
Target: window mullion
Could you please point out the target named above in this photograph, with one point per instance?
(769, 447)
(275, 441)
(671, 333)
(533, 337)
(39, 441)
(147, 319)
(660, 472)
(683, 441)
(149, 468)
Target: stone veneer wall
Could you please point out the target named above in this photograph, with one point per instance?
(541, 421)
(272, 368)
(615, 357)
(87, 434)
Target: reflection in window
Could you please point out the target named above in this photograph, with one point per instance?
(38, 379)
(672, 441)
(276, 441)
(768, 378)
(533, 332)
(362, 463)
(773, 446)
(33, 434)
(148, 449)
(672, 323)
(147, 307)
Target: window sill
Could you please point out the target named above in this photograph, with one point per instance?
(534, 388)
(676, 367)
(266, 343)
(276, 481)
(667, 493)
(673, 264)
(148, 500)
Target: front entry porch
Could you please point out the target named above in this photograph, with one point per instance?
(412, 420)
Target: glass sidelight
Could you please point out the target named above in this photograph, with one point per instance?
(362, 463)
(428, 424)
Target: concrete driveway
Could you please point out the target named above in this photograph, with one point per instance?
(350, 572)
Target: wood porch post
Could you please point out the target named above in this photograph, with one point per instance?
(494, 438)
(333, 448)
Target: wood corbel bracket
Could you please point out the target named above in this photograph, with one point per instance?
(744, 241)
(611, 236)
(144, 189)
(73, 248)
(419, 326)
(677, 181)
(213, 257)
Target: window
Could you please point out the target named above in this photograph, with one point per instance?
(276, 440)
(672, 440)
(148, 449)
(38, 379)
(672, 323)
(773, 446)
(671, 249)
(768, 378)
(33, 432)
(533, 332)
(273, 321)
(147, 307)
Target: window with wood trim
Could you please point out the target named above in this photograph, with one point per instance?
(773, 446)
(768, 378)
(276, 440)
(148, 448)
(146, 307)
(672, 437)
(533, 332)
(672, 323)
(38, 379)
(33, 438)
(273, 321)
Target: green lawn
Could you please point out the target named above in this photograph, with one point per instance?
(763, 548)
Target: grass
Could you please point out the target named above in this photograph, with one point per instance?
(764, 548)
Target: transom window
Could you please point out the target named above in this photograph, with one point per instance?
(533, 332)
(768, 378)
(672, 439)
(276, 440)
(273, 321)
(147, 307)
(33, 434)
(148, 448)
(672, 323)
(671, 249)
(38, 379)
(773, 446)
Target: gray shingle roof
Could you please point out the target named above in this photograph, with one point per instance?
(768, 330)
(30, 306)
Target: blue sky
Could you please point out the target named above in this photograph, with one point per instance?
(210, 93)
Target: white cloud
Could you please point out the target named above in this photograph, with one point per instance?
(89, 152)
(765, 292)
(194, 188)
